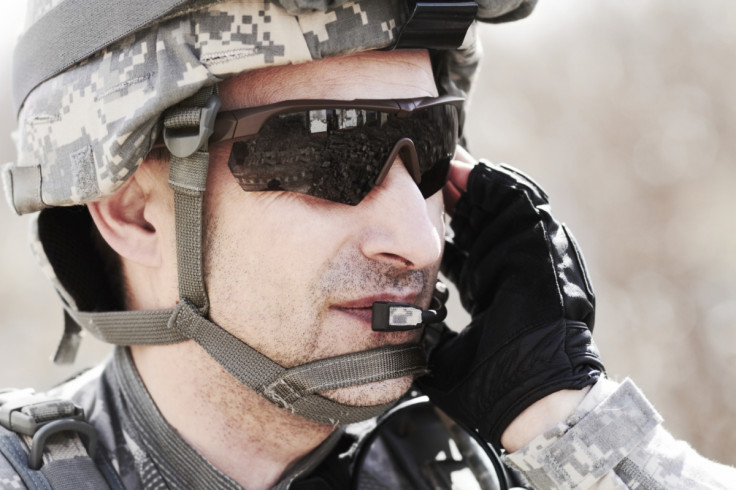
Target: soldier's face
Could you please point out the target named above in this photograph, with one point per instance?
(295, 276)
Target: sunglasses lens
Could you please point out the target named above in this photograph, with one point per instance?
(435, 147)
(338, 154)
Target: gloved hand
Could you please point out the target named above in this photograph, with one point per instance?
(522, 278)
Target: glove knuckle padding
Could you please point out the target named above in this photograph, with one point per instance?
(522, 278)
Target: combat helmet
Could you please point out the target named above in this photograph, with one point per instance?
(95, 87)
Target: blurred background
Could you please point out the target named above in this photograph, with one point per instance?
(625, 112)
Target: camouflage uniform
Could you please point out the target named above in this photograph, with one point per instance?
(613, 440)
(83, 132)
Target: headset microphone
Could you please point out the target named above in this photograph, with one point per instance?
(396, 317)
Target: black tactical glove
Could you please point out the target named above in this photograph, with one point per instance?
(522, 278)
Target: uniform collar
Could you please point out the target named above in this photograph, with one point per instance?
(174, 462)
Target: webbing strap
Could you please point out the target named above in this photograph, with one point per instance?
(76, 29)
(296, 388)
(75, 473)
(184, 119)
(23, 188)
(68, 346)
(129, 327)
(188, 178)
(347, 370)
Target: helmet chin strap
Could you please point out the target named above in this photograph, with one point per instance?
(297, 388)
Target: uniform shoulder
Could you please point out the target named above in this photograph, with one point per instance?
(34, 406)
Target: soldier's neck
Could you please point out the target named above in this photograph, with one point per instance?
(241, 434)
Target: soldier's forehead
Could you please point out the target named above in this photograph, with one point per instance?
(408, 73)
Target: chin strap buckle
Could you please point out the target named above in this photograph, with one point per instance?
(188, 126)
(40, 417)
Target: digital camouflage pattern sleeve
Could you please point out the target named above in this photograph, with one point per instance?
(614, 440)
(9, 480)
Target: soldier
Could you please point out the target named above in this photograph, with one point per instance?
(244, 197)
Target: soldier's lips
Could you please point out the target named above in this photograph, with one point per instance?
(362, 309)
(363, 315)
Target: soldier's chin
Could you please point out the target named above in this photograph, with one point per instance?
(368, 394)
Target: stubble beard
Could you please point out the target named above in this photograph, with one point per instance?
(351, 275)
(347, 276)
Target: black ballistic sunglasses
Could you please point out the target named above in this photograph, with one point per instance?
(339, 150)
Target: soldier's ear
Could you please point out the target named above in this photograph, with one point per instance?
(123, 221)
